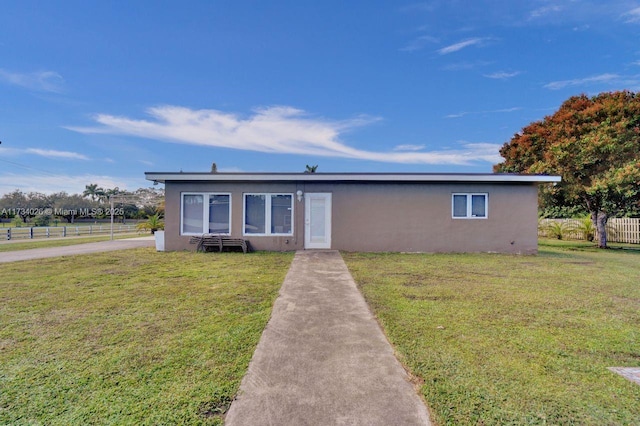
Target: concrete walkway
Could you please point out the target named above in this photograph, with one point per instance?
(323, 359)
(41, 253)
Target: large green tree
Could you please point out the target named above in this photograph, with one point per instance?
(593, 143)
(69, 207)
(24, 205)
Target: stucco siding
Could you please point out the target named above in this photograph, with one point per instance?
(370, 216)
(417, 218)
(175, 241)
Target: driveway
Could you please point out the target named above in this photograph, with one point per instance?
(102, 246)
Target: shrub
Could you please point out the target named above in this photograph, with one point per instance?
(16, 222)
(556, 229)
(586, 228)
(152, 224)
(42, 220)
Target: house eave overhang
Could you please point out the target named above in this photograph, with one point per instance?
(164, 177)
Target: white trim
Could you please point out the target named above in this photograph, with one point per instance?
(267, 216)
(469, 196)
(350, 177)
(205, 211)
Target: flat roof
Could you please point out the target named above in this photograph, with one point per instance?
(163, 177)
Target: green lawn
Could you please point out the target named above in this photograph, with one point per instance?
(499, 339)
(131, 337)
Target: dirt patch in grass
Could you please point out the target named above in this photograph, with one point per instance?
(215, 409)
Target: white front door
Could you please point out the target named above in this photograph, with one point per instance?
(317, 220)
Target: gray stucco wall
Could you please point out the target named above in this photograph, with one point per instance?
(409, 217)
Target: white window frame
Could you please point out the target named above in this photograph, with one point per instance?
(469, 196)
(267, 217)
(205, 214)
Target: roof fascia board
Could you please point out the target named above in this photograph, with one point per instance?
(348, 177)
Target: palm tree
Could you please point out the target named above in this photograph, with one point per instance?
(586, 228)
(93, 191)
(311, 169)
(152, 224)
(555, 228)
(108, 193)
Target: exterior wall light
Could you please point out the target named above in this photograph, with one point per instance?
(299, 194)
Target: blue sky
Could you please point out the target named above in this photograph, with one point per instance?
(100, 92)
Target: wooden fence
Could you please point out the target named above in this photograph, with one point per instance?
(64, 231)
(619, 230)
(626, 230)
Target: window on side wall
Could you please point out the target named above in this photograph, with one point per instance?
(268, 214)
(469, 205)
(205, 213)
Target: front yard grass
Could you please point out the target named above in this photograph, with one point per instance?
(499, 339)
(132, 337)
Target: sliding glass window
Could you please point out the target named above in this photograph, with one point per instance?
(268, 214)
(205, 213)
(469, 206)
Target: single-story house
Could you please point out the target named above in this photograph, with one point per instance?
(369, 212)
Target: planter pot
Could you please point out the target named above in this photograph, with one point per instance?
(159, 235)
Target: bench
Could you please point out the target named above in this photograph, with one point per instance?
(206, 242)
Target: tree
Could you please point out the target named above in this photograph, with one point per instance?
(594, 145)
(108, 193)
(14, 204)
(311, 169)
(152, 224)
(69, 207)
(142, 203)
(150, 201)
(93, 191)
(17, 203)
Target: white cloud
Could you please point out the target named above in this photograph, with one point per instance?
(4, 151)
(502, 75)
(419, 43)
(577, 14)
(461, 66)
(544, 11)
(632, 16)
(278, 129)
(230, 170)
(409, 147)
(460, 45)
(41, 81)
(491, 111)
(49, 183)
(489, 152)
(48, 153)
(602, 78)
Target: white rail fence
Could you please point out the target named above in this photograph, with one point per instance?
(35, 232)
(619, 230)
